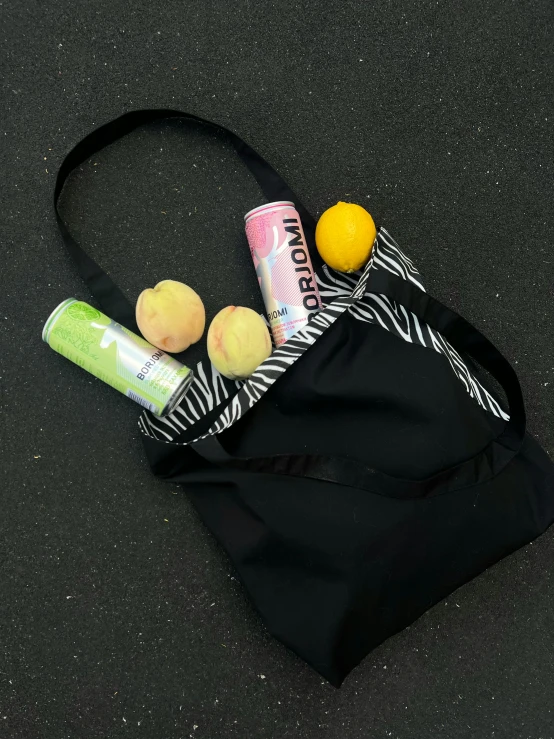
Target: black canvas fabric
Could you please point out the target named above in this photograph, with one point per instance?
(366, 470)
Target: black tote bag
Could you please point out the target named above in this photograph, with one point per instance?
(367, 468)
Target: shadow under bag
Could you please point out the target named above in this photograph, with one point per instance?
(366, 469)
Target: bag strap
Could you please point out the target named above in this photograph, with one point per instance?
(109, 296)
(465, 338)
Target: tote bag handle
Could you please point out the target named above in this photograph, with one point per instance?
(109, 296)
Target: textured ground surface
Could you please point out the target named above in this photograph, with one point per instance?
(119, 616)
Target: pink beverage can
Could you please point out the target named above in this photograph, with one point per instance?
(284, 268)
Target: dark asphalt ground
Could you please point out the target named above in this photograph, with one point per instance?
(119, 614)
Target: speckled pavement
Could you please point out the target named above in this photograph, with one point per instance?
(119, 614)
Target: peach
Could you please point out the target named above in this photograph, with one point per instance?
(171, 316)
(238, 342)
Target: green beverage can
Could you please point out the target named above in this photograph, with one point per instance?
(117, 356)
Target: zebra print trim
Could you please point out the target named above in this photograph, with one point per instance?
(339, 292)
(395, 318)
(208, 389)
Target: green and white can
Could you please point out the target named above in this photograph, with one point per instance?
(117, 356)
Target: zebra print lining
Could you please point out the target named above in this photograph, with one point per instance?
(339, 293)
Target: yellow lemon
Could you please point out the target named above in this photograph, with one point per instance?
(344, 236)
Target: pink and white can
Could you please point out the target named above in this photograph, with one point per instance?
(284, 268)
